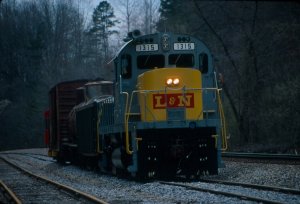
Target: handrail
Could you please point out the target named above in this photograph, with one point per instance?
(127, 115)
(128, 109)
(126, 119)
(102, 110)
(223, 122)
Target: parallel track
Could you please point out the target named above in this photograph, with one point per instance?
(254, 186)
(229, 194)
(197, 188)
(31, 188)
(272, 158)
(32, 155)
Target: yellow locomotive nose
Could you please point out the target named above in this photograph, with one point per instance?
(161, 92)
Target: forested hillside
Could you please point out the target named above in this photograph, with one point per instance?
(41, 43)
(256, 47)
(44, 42)
(257, 51)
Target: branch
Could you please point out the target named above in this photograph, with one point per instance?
(231, 102)
(254, 19)
(252, 47)
(200, 13)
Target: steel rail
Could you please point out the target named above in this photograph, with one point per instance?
(240, 196)
(261, 156)
(254, 186)
(11, 195)
(32, 155)
(58, 185)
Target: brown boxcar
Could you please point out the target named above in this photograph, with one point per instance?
(63, 97)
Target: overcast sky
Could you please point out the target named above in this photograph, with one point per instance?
(90, 5)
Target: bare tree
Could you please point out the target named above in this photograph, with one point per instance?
(150, 10)
(136, 14)
(128, 12)
(250, 42)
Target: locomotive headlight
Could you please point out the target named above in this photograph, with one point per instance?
(176, 81)
(172, 81)
(169, 81)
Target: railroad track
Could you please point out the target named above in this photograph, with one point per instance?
(254, 186)
(263, 157)
(7, 196)
(173, 195)
(41, 157)
(22, 186)
(242, 196)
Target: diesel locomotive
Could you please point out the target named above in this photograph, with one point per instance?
(160, 117)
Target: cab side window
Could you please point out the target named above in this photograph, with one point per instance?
(126, 66)
(203, 63)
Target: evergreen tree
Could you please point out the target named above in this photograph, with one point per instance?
(103, 22)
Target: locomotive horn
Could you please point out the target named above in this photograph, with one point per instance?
(136, 33)
(133, 34)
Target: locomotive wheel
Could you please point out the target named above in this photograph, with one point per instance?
(140, 177)
(60, 158)
(121, 173)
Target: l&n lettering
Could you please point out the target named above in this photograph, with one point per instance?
(161, 101)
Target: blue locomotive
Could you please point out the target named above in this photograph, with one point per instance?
(161, 117)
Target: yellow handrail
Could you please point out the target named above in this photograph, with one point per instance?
(127, 115)
(126, 120)
(128, 109)
(223, 122)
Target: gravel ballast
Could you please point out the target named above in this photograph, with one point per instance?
(115, 190)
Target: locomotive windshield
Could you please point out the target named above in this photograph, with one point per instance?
(158, 61)
(150, 61)
(181, 60)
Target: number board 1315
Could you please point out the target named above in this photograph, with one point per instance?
(146, 47)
